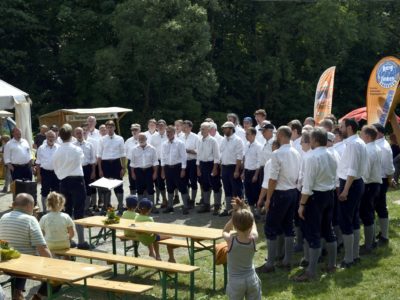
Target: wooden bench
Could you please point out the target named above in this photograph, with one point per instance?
(113, 288)
(166, 268)
(178, 243)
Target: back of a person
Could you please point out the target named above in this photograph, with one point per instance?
(290, 162)
(130, 215)
(21, 231)
(240, 258)
(144, 238)
(55, 226)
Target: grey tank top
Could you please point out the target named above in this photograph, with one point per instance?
(240, 258)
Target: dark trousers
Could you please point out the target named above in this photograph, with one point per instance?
(74, 190)
(174, 180)
(112, 169)
(191, 174)
(280, 214)
(20, 285)
(50, 182)
(297, 220)
(233, 187)
(367, 212)
(380, 201)
(261, 175)
(132, 182)
(317, 221)
(144, 180)
(335, 219)
(22, 172)
(252, 189)
(160, 183)
(206, 180)
(349, 210)
(87, 172)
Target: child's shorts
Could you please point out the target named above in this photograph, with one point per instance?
(240, 288)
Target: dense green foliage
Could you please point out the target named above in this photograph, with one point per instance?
(191, 59)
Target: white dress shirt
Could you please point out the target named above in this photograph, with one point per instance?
(67, 161)
(266, 151)
(387, 168)
(95, 134)
(303, 156)
(373, 164)
(143, 157)
(339, 147)
(89, 152)
(95, 143)
(231, 150)
(285, 167)
(241, 133)
(259, 136)
(352, 162)
(319, 171)
(297, 144)
(157, 140)
(337, 157)
(219, 138)
(44, 156)
(17, 152)
(191, 142)
(208, 150)
(129, 145)
(149, 136)
(173, 153)
(267, 172)
(252, 156)
(111, 147)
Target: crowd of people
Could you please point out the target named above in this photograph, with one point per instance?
(315, 183)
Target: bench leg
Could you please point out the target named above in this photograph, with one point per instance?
(114, 249)
(164, 285)
(191, 257)
(225, 275)
(176, 285)
(214, 270)
(125, 265)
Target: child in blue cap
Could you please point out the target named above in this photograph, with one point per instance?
(130, 213)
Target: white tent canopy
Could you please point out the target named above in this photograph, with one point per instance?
(11, 97)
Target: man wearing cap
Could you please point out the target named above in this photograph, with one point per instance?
(372, 180)
(67, 164)
(156, 141)
(281, 199)
(40, 137)
(247, 123)
(131, 143)
(44, 165)
(111, 161)
(191, 142)
(143, 168)
(208, 169)
(387, 171)
(231, 161)
(351, 168)
(239, 131)
(17, 156)
(88, 164)
(173, 164)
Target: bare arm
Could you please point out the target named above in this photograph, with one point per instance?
(43, 251)
(71, 232)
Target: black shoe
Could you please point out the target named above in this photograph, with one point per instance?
(216, 210)
(176, 199)
(185, 211)
(89, 213)
(224, 213)
(204, 209)
(265, 269)
(364, 250)
(382, 242)
(191, 204)
(168, 210)
(85, 246)
(345, 265)
(72, 244)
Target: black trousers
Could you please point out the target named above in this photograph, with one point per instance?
(317, 221)
(112, 169)
(380, 201)
(50, 182)
(252, 189)
(87, 172)
(160, 183)
(191, 174)
(280, 214)
(233, 187)
(144, 180)
(349, 210)
(132, 182)
(74, 190)
(174, 180)
(367, 212)
(206, 180)
(22, 172)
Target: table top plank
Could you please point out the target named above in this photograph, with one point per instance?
(177, 230)
(44, 268)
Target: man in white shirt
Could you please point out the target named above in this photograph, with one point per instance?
(231, 161)
(215, 134)
(247, 123)
(309, 121)
(173, 165)
(267, 132)
(387, 171)
(156, 141)
(131, 143)
(239, 131)
(339, 144)
(191, 141)
(44, 165)
(208, 170)
(372, 180)
(316, 203)
(152, 129)
(111, 161)
(281, 199)
(67, 164)
(260, 115)
(296, 127)
(88, 164)
(17, 156)
(252, 158)
(143, 168)
(351, 168)
(178, 128)
(92, 132)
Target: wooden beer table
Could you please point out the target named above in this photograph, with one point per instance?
(53, 271)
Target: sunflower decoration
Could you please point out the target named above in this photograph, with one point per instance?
(112, 217)
(8, 252)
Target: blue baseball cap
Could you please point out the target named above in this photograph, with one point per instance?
(145, 203)
(131, 201)
(248, 119)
